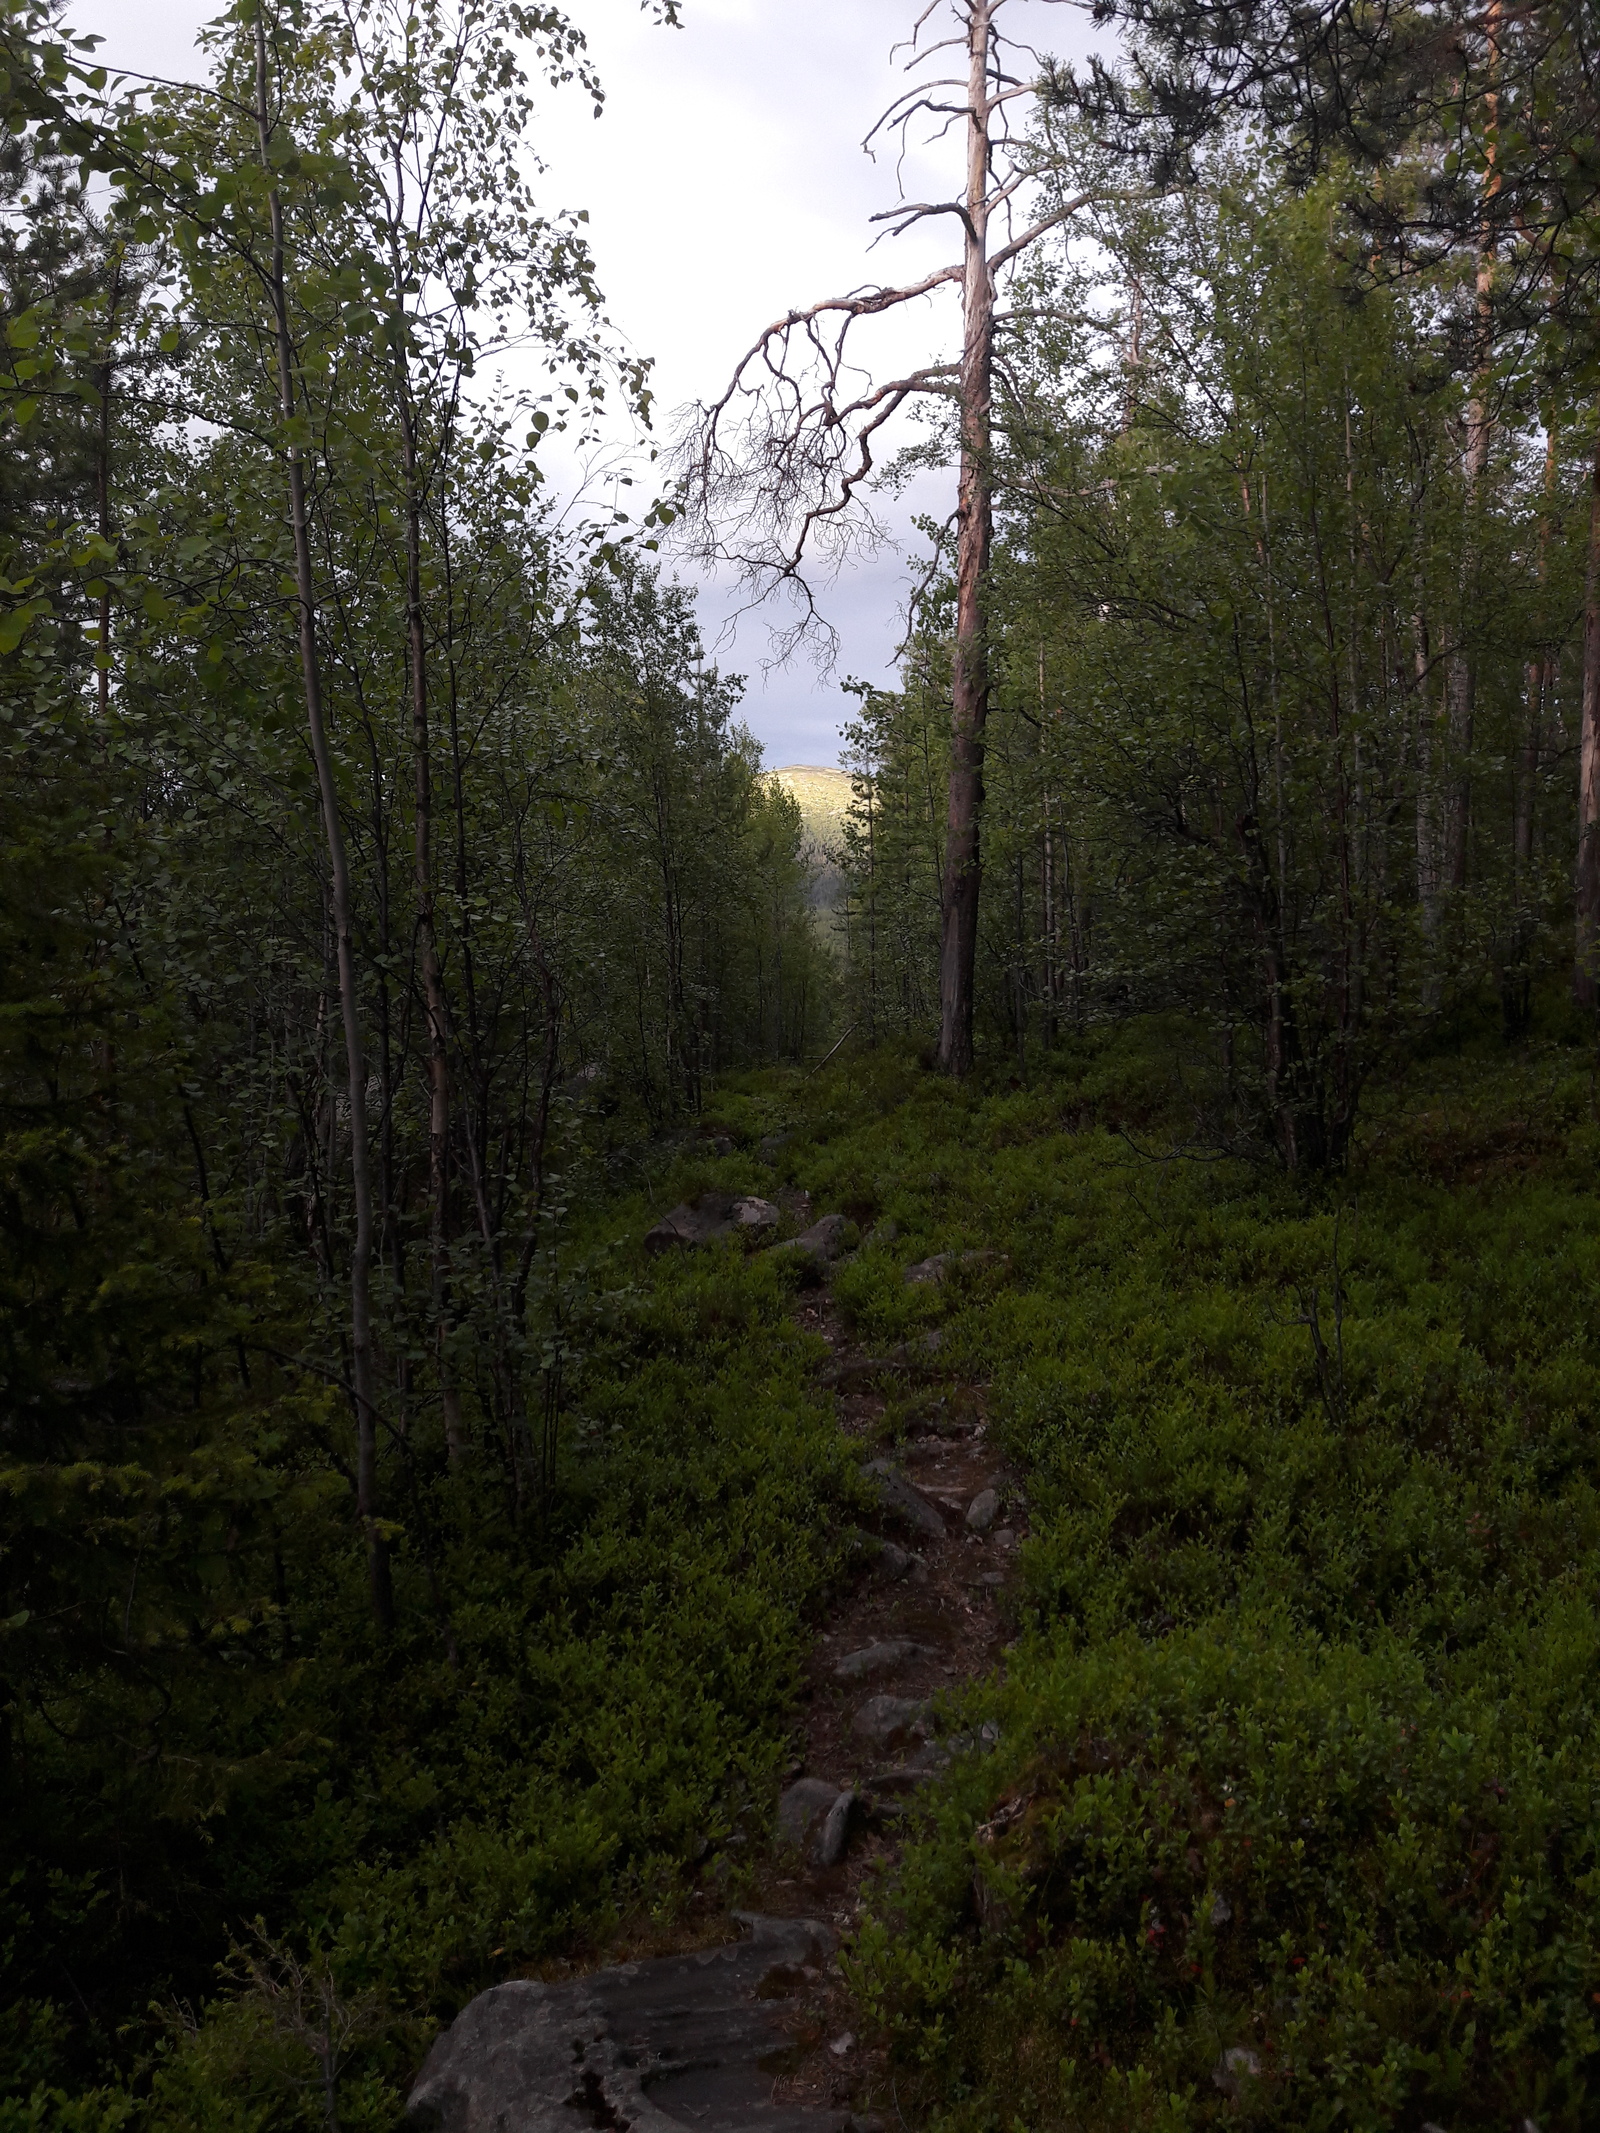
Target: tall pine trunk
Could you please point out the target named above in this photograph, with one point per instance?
(969, 710)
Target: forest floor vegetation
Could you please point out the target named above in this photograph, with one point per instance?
(1281, 1806)
(1294, 1811)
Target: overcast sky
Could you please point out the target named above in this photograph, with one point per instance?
(725, 183)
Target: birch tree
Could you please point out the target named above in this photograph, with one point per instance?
(778, 466)
(1472, 129)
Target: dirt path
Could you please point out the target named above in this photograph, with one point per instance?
(950, 1606)
(744, 2027)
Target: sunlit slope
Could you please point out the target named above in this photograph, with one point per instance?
(824, 797)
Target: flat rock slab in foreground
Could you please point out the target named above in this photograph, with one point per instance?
(652, 2047)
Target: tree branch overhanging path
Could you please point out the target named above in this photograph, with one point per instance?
(775, 468)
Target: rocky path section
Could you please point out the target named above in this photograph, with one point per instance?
(681, 2040)
(752, 2037)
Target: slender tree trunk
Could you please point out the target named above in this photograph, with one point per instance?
(1539, 672)
(433, 997)
(1047, 879)
(1021, 986)
(969, 710)
(339, 867)
(1586, 941)
(107, 389)
(1052, 951)
(1427, 796)
(1528, 775)
(1517, 989)
(1461, 683)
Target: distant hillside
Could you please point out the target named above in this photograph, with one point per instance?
(824, 796)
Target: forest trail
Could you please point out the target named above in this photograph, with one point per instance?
(750, 2032)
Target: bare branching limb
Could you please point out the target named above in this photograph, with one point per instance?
(774, 471)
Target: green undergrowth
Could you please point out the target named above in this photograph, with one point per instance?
(581, 1714)
(1295, 1816)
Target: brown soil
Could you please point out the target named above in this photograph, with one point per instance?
(957, 1608)
(955, 1605)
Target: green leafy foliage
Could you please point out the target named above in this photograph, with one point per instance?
(1297, 1749)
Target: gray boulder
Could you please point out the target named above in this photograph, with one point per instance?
(983, 1510)
(881, 1658)
(931, 1272)
(833, 1839)
(691, 1223)
(907, 1506)
(750, 1215)
(887, 1721)
(803, 1806)
(708, 1220)
(823, 1241)
(659, 2046)
(893, 1563)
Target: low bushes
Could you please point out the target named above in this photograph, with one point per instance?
(1299, 1760)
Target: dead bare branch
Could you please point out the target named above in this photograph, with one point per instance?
(774, 472)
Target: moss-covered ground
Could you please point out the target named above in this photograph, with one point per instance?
(1294, 1818)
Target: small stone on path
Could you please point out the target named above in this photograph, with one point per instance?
(885, 1721)
(802, 1807)
(821, 1243)
(892, 1563)
(708, 1220)
(983, 1510)
(833, 1839)
(753, 1214)
(881, 1658)
(908, 1506)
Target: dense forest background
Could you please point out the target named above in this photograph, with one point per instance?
(383, 863)
(1290, 600)
(387, 884)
